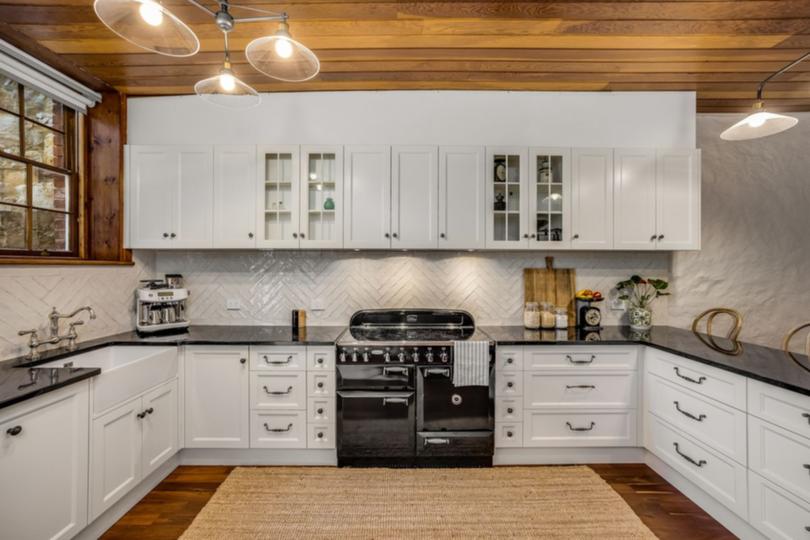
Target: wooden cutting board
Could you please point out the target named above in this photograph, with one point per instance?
(554, 285)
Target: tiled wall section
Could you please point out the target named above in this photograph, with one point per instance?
(27, 294)
(268, 284)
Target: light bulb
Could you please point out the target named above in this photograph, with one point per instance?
(151, 12)
(756, 120)
(227, 81)
(283, 47)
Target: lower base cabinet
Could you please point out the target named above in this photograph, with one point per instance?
(775, 512)
(278, 429)
(579, 428)
(43, 446)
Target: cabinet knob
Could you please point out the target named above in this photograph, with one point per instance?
(173, 235)
(320, 434)
(387, 235)
(510, 410)
(14, 431)
(242, 360)
(660, 236)
(395, 235)
(250, 235)
(320, 411)
(295, 235)
(510, 384)
(302, 235)
(509, 360)
(165, 235)
(652, 239)
(525, 235)
(442, 235)
(576, 237)
(509, 434)
(532, 235)
(320, 385)
(319, 360)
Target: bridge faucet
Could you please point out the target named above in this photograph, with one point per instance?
(55, 316)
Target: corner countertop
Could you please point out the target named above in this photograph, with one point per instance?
(772, 366)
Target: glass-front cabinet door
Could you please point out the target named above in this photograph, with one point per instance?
(278, 197)
(549, 198)
(507, 202)
(321, 197)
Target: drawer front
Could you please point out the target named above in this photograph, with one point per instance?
(509, 359)
(615, 357)
(775, 512)
(321, 410)
(508, 384)
(508, 435)
(278, 358)
(320, 358)
(780, 456)
(725, 387)
(278, 390)
(508, 409)
(779, 406)
(611, 390)
(579, 428)
(321, 383)
(719, 426)
(278, 429)
(718, 475)
(321, 436)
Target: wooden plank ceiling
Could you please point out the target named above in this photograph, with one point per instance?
(721, 49)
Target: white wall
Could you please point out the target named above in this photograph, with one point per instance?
(595, 119)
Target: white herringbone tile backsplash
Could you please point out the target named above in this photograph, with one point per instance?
(269, 284)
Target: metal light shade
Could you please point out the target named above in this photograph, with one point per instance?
(281, 57)
(236, 95)
(758, 124)
(147, 24)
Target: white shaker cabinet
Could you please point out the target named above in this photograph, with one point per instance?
(678, 199)
(321, 179)
(507, 202)
(549, 196)
(277, 197)
(592, 198)
(44, 449)
(171, 197)
(414, 197)
(462, 206)
(217, 388)
(234, 196)
(634, 199)
(367, 194)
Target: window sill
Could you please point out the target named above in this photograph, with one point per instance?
(60, 261)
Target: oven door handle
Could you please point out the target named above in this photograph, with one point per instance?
(395, 370)
(395, 400)
(438, 371)
(436, 440)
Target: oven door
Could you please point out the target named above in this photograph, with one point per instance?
(375, 424)
(444, 407)
(374, 377)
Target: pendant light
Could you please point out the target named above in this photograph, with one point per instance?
(225, 89)
(761, 123)
(281, 57)
(149, 25)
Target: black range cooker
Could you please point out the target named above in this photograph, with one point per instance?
(396, 402)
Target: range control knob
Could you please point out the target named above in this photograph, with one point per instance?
(401, 356)
(387, 357)
(429, 355)
(415, 354)
(354, 355)
(443, 356)
(365, 356)
(342, 356)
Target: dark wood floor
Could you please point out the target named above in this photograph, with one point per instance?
(169, 508)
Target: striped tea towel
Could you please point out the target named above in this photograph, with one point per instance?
(471, 363)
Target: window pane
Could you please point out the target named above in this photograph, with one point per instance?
(50, 231)
(43, 109)
(9, 98)
(51, 189)
(9, 133)
(12, 227)
(12, 182)
(44, 145)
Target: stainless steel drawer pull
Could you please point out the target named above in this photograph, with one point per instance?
(572, 428)
(699, 418)
(438, 371)
(14, 431)
(277, 362)
(700, 463)
(277, 430)
(395, 371)
(571, 359)
(688, 379)
(589, 386)
(278, 392)
(395, 401)
(433, 440)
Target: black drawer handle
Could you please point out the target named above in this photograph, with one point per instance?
(277, 430)
(395, 401)
(277, 362)
(278, 392)
(688, 379)
(14, 431)
(806, 466)
(572, 428)
(445, 372)
(436, 440)
(588, 386)
(700, 463)
(143, 414)
(571, 359)
(807, 417)
(395, 371)
(699, 418)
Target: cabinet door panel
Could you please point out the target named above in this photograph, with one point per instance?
(462, 205)
(507, 200)
(277, 205)
(678, 179)
(152, 179)
(160, 438)
(193, 198)
(235, 200)
(414, 197)
(367, 178)
(322, 197)
(634, 199)
(592, 198)
(217, 397)
(549, 198)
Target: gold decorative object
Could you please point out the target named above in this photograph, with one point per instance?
(789, 337)
(733, 333)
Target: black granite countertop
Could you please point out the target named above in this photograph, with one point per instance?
(765, 364)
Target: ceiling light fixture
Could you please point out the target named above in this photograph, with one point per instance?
(761, 123)
(151, 26)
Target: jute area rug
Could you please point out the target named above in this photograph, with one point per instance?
(351, 504)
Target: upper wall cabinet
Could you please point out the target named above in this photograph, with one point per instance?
(634, 199)
(321, 221)
(462, 199)
(592, 198)
(277, 189)
(507, 204)
(549, 196)
(367, 194)
(171, 197)
(414, 197)
(234, 196)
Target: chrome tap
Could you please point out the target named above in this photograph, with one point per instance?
(34, 343)
(55, 316)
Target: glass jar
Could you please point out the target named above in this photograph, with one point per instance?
(547, 319)
(531, 316)
(561, 318)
